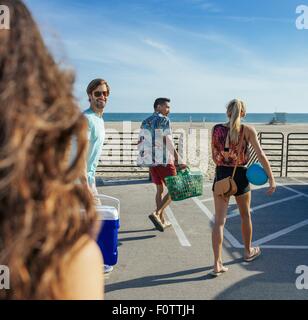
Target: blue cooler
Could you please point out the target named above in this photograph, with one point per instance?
(108, 235)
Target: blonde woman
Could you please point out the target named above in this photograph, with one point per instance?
(226, 142)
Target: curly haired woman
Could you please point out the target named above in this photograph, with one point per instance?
(44, 240)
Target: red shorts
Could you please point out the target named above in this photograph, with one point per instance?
(159, 173)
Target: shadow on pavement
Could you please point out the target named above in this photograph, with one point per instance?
(101, 183)
(135, 231)
(275, 268)
(137, 238)
(164, 279)
(275, 281)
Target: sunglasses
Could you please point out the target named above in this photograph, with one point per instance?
(98, 94)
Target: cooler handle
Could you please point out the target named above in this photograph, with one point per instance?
(103, 196)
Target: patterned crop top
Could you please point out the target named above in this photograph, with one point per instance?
(228, 156)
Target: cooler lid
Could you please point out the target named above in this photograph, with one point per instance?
(107, 213)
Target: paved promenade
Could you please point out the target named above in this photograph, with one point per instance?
(175, 264)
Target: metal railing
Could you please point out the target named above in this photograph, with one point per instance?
(272, 144)
(297, 154)
(120, 152)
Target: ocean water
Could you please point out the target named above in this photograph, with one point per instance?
(207, 117)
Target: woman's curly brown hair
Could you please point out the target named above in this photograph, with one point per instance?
(40, 203)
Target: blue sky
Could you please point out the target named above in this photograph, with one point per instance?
(199, 53)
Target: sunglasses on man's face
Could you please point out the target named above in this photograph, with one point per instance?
(98, 94)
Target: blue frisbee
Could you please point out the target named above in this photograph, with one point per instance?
(256, 174)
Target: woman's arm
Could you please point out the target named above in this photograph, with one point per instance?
(212, 143)
(84, 275)
(253, 139)
(213, 146)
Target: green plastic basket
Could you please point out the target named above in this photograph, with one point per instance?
(185, 184)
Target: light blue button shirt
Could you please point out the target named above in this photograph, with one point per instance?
(96, 136)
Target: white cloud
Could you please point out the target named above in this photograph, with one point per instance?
(210, 7)
(205, 5)
(143, 64)
(160, 46)
(256, 19)
(140, 74)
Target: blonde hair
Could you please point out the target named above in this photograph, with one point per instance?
(235, 108)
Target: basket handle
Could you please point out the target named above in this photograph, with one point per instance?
(185, 171)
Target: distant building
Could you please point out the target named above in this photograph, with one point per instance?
(279, 118)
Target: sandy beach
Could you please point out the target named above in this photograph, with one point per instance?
(207, 166)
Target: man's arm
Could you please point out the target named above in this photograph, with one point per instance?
(84, 176)
(171, 148)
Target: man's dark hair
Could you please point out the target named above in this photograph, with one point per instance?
(95, 83)
(160, 101)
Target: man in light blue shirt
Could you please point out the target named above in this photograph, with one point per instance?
(98, 92)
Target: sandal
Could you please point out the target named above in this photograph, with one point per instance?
(157, 223)
(255, 254)
(215, 274)
(167, 224)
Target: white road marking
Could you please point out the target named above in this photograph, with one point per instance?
(300, 181)
(293, 190)
(283, 247)
(209, 214)
(235, 243)
(281, 233)
(289, 229)
(177, 228)
(207, 200)
(264, 205)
